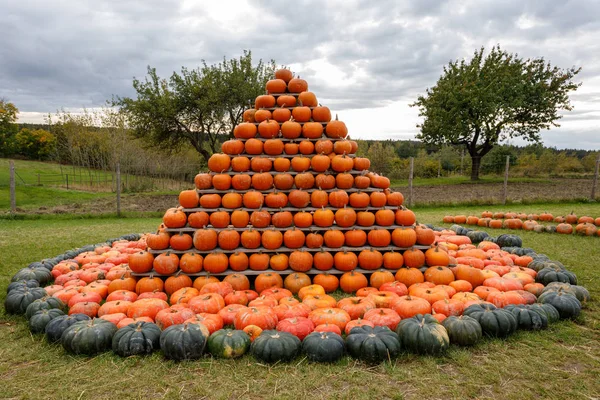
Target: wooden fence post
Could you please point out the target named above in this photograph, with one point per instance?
(39, 181)
(118, 189)
(505, 192)
(595, 184)
(410, 182)
(13, 190)
(68, 181)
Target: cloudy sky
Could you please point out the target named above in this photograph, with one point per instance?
(367, 60)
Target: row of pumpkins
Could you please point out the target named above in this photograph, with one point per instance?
(571, 218)
(416, 311)
(585, 226)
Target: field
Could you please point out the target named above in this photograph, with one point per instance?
(51, 198)
(90, 190)
(561, 362)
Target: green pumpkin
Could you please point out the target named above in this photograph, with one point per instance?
(423, 334)
(70, 254)
(550, 311)
(323, 347)
(539, 263)
(550, 228)
(88, 337)
(22, 284)
(495, 322)
(550, 274)
(580, 292)
(40, 274)
(56, 327)
(539, 229)
(456, 228)
(528, 318)
(463, 330)
(17, 300)
(477, 236)
(273, 346)
(47, 263)
(41, 318)
(45, 303)
(183, 341)
(565, 303)
(228, 343)
(519, 251)
(136, 339)
(372, 345)
(509, 240)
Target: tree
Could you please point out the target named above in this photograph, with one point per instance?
(8, 127)
(495, 162)
(198, 107)
(35, 144)
(481, 102)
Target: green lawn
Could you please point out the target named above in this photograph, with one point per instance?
(560, 362)
(34, 197)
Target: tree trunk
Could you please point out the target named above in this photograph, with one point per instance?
(475, 164)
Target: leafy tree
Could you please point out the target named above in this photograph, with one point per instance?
(197, 107)
(35, 144)
(589, 161)
(8, 127)
(493, 97)
(495, 162)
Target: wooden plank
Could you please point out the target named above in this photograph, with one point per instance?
(118, 189)
(278, 209)
(249, 272)
(299, 139)
(410, 182)
(311, 228)
(278, 108)
(505, 187)
(288, 250)
(283, 94)
(286, 191)
(293, 173)
(13, 189)
(273, 157)
(595, 182)
(301, 123)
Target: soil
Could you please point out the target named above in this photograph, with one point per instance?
(491, 193)
(485, 193)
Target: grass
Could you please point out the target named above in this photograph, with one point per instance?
(560, 362)
(34, 197)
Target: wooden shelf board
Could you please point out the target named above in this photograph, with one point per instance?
(288, 250)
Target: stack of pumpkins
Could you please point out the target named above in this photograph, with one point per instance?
(287, 194)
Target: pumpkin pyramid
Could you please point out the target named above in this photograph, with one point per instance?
(287, 194)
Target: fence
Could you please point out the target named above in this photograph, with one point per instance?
(418, 190)
(97, 181)
(103, 181)
(510, 187)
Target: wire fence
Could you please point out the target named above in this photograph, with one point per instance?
(104, 181)
(419, 186)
